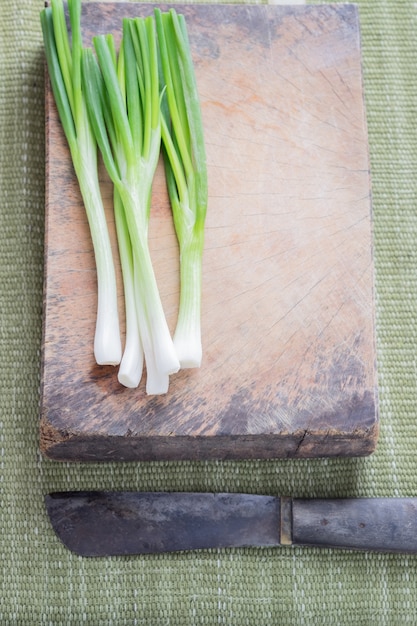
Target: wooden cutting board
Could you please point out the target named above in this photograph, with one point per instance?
(288, 303)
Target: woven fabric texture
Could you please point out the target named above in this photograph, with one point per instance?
(44, 584)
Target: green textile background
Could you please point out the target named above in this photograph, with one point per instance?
(41, 582)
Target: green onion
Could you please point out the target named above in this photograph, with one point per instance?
(124, 105)
(129, 104)
(186, 173)
(64, 66)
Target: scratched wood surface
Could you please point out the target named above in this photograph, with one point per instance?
(288, 306)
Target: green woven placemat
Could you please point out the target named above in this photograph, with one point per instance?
(41, 582)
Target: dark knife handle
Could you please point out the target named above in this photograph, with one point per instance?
(377, 524)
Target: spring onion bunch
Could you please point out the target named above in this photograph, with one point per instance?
(130, 105)
(63, 55)
(124, 105)
(186, 174)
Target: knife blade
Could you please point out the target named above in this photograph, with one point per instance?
(106, 523)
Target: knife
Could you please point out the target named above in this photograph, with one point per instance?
(105, 523)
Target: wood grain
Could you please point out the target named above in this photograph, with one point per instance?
(288, 304)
